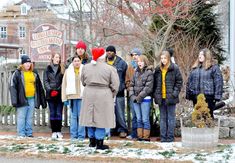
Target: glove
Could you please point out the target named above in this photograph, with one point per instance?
(54, 93)
(219, 105)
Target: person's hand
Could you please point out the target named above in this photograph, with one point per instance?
(54, 93)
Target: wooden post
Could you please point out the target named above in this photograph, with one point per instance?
(65, 116)
(37, 117)
(1, 88)
(11, 119)
(128, 112)
(5, 119)
(1, 118)
(5, 88)
(43, 117)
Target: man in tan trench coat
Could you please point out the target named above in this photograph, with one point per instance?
(101, 83)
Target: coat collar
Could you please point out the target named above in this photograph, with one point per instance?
(170, 68)
(50, 69)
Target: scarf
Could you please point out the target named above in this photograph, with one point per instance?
(71, 88)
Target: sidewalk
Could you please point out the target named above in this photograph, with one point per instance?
(67, 136)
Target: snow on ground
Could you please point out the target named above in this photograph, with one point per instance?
(119, 149)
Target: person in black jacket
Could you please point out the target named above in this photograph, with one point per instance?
(52, 79)
(121, 67)
(141, 87)
(205, 78)
(167, 85)
(26, 94)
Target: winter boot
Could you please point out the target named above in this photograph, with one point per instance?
(92, 142)
(146, 136)
(100, 145)
(140, 134)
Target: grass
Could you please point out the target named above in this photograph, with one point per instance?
(167, 154)
(118, 150)
(66, 150)
(200, 157)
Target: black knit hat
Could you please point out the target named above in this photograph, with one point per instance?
(111, 48)
(24, 59)
(171, 51)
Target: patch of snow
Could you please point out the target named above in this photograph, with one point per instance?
(123, 149)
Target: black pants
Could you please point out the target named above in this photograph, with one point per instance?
(56, 125)
(210, 101)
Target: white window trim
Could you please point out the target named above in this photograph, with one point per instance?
(21, 33)
(23, 9)
(20, 52)
(1, 32)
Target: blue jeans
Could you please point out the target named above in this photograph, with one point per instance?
(76, 131)
(120, 115)
(98, 133)
(167, 122)
(133, 120)
(142, 111)
(107, 132)
(25, 119)
(56, 109)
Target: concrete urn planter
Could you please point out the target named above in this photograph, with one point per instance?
(193, 137)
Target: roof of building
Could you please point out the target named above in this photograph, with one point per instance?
(34, 3)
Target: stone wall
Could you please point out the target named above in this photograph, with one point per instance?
(227, 127)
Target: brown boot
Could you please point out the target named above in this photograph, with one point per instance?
(146, 136)
(140, 133)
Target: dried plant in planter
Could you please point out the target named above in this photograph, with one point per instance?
(201, 117)
(200, 130)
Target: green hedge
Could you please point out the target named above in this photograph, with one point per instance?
(7, 110)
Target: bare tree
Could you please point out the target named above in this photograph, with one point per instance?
(141, 13)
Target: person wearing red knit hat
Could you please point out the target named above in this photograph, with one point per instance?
(81, 51)
(81, 48)
(81, 45)
(101, 83)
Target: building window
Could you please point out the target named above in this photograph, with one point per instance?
(22, 32)
(3, 32)
(23, 9)
(22, 52)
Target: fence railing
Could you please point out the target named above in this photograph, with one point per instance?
(41, 116)
(8, 114)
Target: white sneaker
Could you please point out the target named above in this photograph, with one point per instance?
(59, 135)
(54, 135)
(129, 137)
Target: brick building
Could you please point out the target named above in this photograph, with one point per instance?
(19, 19)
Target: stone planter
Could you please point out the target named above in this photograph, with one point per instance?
(193, 137)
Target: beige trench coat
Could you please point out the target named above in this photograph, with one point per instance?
(101, 83)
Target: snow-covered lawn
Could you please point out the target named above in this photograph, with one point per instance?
(119, 149)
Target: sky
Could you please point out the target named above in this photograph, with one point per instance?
(5, 2)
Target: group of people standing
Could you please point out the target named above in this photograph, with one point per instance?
(95, 92)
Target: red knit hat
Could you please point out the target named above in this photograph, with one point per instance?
(97, 53)
(81, 44)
